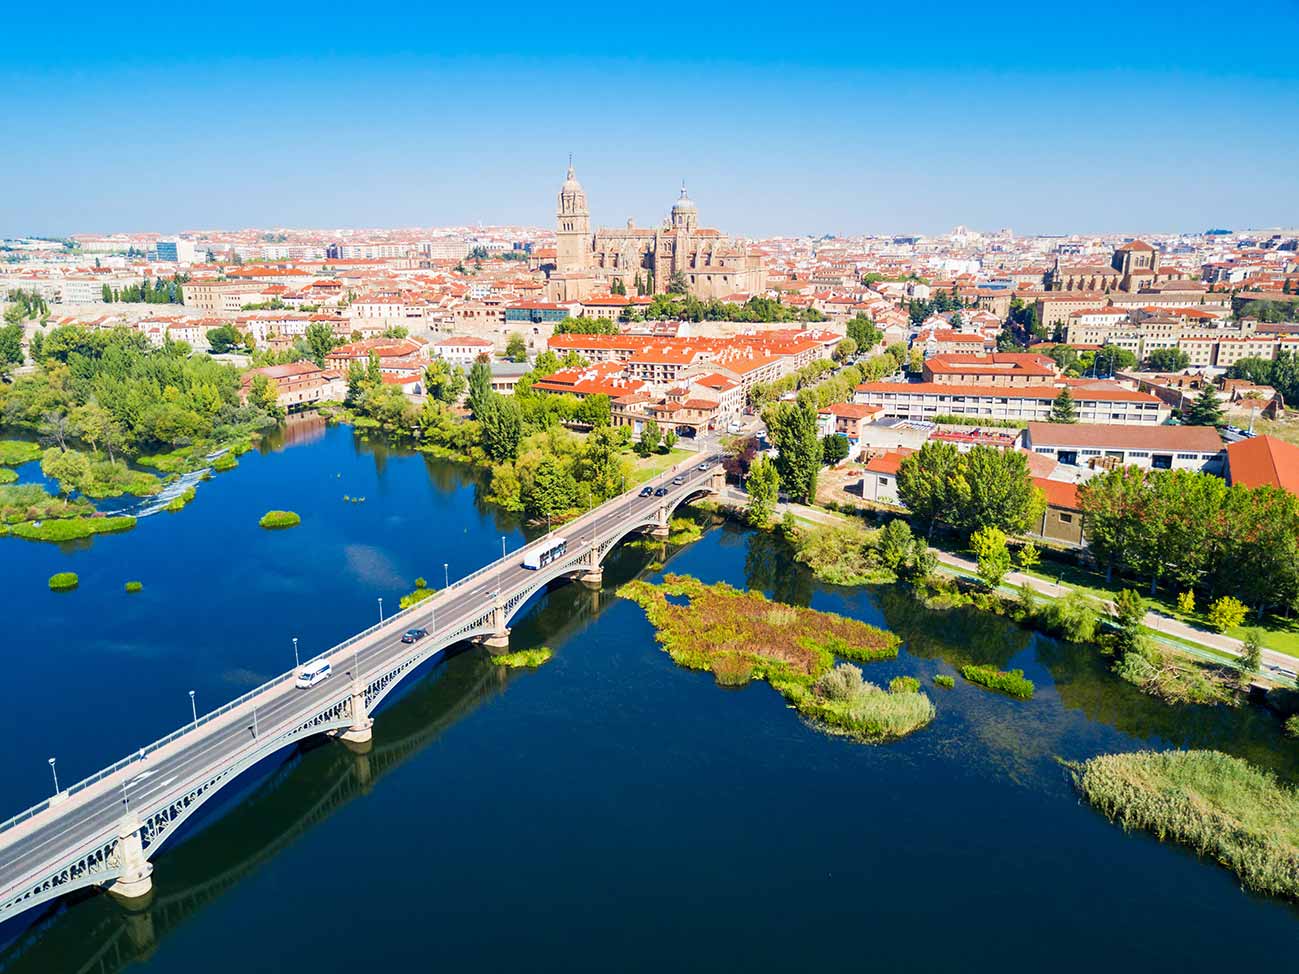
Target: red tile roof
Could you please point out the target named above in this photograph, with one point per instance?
(1264, 460)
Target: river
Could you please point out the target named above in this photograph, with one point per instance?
(608, 811)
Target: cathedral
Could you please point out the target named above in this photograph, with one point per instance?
(641, 260)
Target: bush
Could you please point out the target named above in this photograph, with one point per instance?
(134, 586)
(1012, 682)
(944, 680)
(224, 462)
(904, 684)
(1226, 613)
(8, 476)
(64, 581)
(1292, 725)
(1186, 603)
(1074, 617)
(280, 519)
(732, 671)
(1028, 556)
(419, 595)
(989, 547)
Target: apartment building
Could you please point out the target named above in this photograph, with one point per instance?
(1096, 402)
(1103, 445)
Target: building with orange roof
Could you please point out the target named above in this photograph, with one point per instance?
(1263, 461)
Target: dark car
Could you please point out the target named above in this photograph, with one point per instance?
(413, 635)
(646, 491)
(661, 492)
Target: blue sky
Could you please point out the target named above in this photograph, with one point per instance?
(837, 119)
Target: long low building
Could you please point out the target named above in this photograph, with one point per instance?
(1095, 402)
(1103, 445)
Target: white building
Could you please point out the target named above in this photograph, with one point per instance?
(462, 350)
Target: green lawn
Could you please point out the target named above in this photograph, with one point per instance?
(654, 464)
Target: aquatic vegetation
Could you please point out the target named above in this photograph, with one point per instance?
(1218, 805)
(280, 519)
(1011, 682)
(224, 462)
(422, 592)
(740, 636)
(180, 500)
(64, 581)
(71, 528)
(7, 476)
(16, 452)
(904, 684)
(945, 680)
(134, 586)
(524, 658)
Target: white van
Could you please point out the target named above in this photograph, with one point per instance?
(313, 673)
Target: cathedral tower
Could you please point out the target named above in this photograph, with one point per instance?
(572, 227)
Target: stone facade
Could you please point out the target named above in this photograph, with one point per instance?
(712, 264)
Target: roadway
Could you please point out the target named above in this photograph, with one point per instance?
(33, 848)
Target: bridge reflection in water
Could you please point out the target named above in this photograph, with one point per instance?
(93, 933)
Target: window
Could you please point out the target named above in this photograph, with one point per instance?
(1066, 518)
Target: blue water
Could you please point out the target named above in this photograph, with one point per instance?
(609, 811)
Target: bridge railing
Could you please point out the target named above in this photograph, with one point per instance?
(277, 681)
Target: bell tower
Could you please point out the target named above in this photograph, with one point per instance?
(573, 226)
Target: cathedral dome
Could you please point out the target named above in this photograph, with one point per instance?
(683, 202)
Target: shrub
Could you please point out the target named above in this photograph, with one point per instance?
(224, 462)
(1028, 556)
(989, 547)
(840, 684)
(280, 519)
(134, 586)
(421, 582)
(945, 680)
(1012, 682)
(1074, 617)
(904, 684)
(1292, 725)
(1226, 613)
(419, 595)
(1186, 603)
(7, 476)
(63, 581)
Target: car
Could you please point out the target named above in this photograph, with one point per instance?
(413, 635)
(1288, 674)
(677, 481)
(646, 491)
(661, 492)
(702, 466)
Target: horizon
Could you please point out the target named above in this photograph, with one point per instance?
(841, 122)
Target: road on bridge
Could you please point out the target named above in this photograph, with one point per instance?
(33, 848)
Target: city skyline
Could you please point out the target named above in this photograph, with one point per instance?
(837, 122)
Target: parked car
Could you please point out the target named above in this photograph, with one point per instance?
(413, 635)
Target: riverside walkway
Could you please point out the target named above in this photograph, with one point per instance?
(104, 831)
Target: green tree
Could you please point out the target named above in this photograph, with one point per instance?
(994, 489)
(896, 544)
(989, 546)
(928, 481)
(649, 438)
(669, 439)
(834, 449)
(864, 333)
(263, 393)
(501, 422)
(223, 339)
(1028, 556)
(1205, 409)
(516, 347)
(551, 491)
(595, 410)
(106, 294)
(846, 349)
(1226, 613)
(792, 429)
(68, 467)
(546, 363)
(11, 346)
(1129, 612)
(443, 381)
(1167, 360)
(1251, 658)
(480, 385)
(677, 283)
(763, 485)
(320, 341)
(1064, 410)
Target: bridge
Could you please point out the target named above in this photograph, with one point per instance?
(105, 830)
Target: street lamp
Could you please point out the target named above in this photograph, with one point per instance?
(56, 776)
(193, 707)
(446, 577)
(381, 608)
(500, 571)
(296, 661)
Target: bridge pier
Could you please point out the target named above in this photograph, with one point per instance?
(360, 731)
(591, 573)
(499, 637)
(134, 883)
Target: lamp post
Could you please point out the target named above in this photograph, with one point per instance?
(56, 776)
(500, 570)
(297, 662)
(446, 576)
(381, 608)
(193, 707)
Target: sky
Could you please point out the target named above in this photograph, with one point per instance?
(839, 119)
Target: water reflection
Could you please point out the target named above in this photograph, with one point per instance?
(95, 934)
